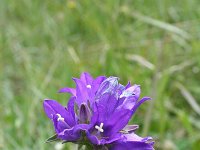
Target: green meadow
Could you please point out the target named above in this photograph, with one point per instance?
(154, 43)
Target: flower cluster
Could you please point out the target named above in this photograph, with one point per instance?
(97, 114)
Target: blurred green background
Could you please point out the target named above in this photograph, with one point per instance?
(154, 43)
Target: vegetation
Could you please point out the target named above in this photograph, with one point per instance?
(153, 43)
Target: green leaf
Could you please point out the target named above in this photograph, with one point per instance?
(52, 138)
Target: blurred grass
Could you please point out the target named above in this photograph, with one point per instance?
(152, 43)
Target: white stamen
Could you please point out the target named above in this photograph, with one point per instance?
(89, 86)
(99, 128)
(60, 118)
(121, 96)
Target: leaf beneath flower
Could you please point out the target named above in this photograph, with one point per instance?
(52, 139)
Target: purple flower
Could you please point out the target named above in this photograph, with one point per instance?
(97, 114)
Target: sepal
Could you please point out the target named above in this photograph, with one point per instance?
(52, 138)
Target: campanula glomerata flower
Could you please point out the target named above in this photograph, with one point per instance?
(97, 114)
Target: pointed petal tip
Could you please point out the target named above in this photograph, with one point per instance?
(139, 103)
(144, 99)
(147, 98)
(74, 78)
(67, 90)
(46, 101)
(60, 91)
(52, 107)
(47, 107)
(85, 74)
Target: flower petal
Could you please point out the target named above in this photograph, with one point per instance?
(103, 140)
(130, 128)
(59, 124)
(131, 145)
(133, 142)
(131, 91)
(86, 78)
(74, 133)
(117, 121)
(110, 85)
(140, 102)
(128, 85)
(52, 107)
(70, 108)
(68, 90)
(96, 83)
(81, 91)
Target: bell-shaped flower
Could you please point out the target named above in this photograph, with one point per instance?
(98, 113)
